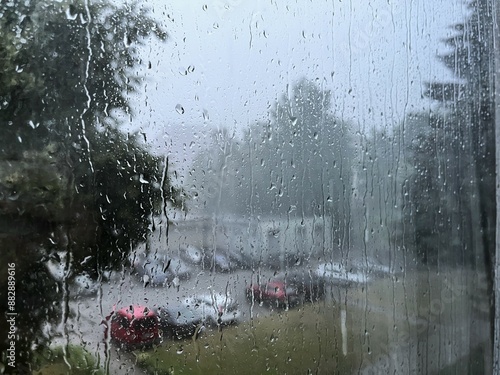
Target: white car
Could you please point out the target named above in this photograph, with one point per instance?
(192, 254)
(217, 308)
(335, 274)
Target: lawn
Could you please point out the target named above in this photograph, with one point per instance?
(383, 322)
(76, 361)
(303, 341)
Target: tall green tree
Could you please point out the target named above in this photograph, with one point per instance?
(70, 179)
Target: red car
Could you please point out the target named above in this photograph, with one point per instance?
(288, 289)
(275, 292)
(134, 326)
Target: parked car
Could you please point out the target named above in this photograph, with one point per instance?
(217, 308)
(162, 271)
(334, 273)
(192, 254)
(133, 326)
(193, 314)
(239, 260)
(217, 261)
(181, 320)
(288, 290)
(274, 292)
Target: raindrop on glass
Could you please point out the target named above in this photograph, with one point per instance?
(180, 109)
(126, 40)
(71, 13)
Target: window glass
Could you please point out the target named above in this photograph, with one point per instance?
(325, 170)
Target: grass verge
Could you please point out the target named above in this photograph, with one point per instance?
(303, 341)
(76, 361)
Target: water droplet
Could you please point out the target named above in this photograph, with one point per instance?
(216, 25)
(204, 7)
(71, 13)
(293, 119)
(205, 115)
(19, 69)
(190, 69)
(180, 350)
(180, 109)
(127, 40)
(33, 125)
(13, 196)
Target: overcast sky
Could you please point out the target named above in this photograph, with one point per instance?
(225, 63)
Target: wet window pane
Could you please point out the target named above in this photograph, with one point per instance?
(249, 187)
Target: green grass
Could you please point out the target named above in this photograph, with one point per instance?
(383, 321)
(52, 362)
(307, 340)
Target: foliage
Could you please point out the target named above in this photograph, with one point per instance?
(70, 179)
(454, 178)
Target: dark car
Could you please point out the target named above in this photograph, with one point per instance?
(288, 290)
(133, 326)
(162, 271)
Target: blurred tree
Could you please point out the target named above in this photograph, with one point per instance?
(70, 180)
(297, 164)
(453, 188)
(460, 139)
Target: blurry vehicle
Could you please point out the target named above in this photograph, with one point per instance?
(288, 290)
(239, 260)
(192, 254)
(162, 271)
(181, 320)
(334, 274)
(274, 292)
(134, 326)
(192, 315)
(217, 261)
(217, 308)
(375, 269)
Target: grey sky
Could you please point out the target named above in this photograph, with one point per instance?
(231, 60)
